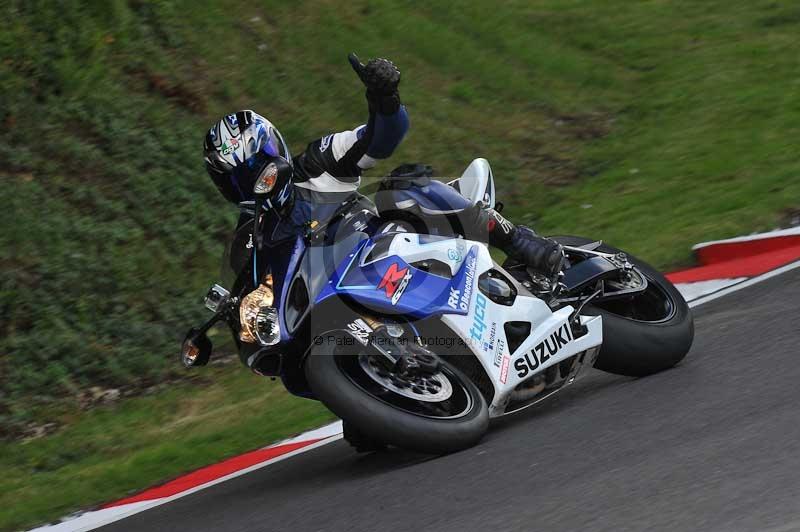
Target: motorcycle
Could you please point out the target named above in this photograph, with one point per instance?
(418, 340)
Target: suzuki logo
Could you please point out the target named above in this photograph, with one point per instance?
(542, 352)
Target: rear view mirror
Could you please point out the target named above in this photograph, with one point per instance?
(196, 349)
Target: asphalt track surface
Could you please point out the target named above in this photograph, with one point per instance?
(713, 444)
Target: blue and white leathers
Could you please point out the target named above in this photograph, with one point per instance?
(330, 168)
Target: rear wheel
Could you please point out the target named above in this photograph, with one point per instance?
(646, 333)
(437, 412)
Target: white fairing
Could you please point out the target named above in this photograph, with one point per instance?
(482, 329)
(477, 183)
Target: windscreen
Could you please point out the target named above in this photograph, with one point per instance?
(237, 253)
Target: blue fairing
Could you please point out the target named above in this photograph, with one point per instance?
(435, 198)
(283, 287)
(375, 283)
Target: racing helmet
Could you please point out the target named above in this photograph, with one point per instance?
(238, 149)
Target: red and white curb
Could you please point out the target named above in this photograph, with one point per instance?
(729, 265)
(724, 266)
(198, 480)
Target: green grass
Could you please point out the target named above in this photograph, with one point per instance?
(652, 125)
(114, 450)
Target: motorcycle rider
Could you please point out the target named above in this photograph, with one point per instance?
(328, 172)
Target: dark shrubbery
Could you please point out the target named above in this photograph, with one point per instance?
(109, 228)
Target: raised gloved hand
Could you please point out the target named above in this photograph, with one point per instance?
(381, 78)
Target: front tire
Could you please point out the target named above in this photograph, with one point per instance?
(639, 336)
(371, 410)
(360, 441)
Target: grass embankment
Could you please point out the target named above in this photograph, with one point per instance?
(652, 125)
(118, 449)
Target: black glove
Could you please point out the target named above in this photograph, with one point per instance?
(381, 78)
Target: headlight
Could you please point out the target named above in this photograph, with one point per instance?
(259, 319)
(268, 331)
(266, 179)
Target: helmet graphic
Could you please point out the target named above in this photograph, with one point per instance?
(237, 150)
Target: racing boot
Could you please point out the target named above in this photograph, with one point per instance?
(542, 254)
(520, 243)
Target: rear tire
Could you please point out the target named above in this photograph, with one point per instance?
(634, 347)
(379, 421)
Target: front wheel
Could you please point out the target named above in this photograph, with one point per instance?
(646, 333)
(439, 413)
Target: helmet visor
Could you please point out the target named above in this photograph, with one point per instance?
(273, 145)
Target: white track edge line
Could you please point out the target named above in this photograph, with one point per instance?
(220, 480)
(165, 500)
(791, 231)
(744, 284)
(693, 290)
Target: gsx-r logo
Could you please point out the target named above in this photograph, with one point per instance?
(394, 282)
